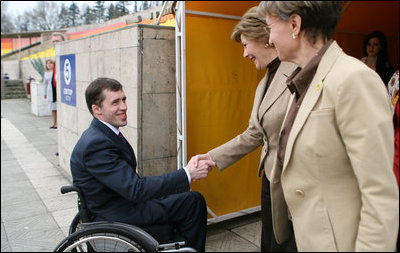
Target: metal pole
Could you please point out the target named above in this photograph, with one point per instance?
(178, 44)
(183, 63)
(161, 13)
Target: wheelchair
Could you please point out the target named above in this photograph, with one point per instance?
(85, 235)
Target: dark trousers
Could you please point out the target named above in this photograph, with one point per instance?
(187, 210)
(268, 241)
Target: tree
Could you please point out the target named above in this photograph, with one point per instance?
(121, 7)
(74, 16)
(64, 17)
(89, 16)
(48, 15)
(99, 10)
(145, 5)
(23, 22)
(112, 12)
(7, 25)
(45, 16)
(117, 11)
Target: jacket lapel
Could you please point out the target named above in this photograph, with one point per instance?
(277, 87)
(125, 146)
(313, 93)
(258, 100)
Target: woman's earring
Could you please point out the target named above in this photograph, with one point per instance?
(293, 36)
(267, 45)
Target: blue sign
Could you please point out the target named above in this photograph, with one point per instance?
(68, 79)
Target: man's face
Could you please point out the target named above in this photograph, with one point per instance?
(113, 109)
(56, 38)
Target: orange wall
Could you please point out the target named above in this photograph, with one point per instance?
(366, 16)
(363, 17)
(235, 8)
(10, 44)
(6, 45)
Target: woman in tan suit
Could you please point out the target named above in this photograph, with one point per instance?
(332, 178)
(269, 108)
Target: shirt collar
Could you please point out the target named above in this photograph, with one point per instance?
(273, 65)
(300, 79)
(113, 128)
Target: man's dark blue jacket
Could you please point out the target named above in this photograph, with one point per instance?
(103, 166)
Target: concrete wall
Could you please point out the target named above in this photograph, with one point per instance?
(12, 69)
(142, 58)
(39, 105)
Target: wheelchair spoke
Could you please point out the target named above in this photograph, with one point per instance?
(103, 243)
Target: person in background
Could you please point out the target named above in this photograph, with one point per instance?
(103, 166)
(332, 181)
(270, 103)
(376, 55)
(56, 37)
(49, 91)
(50, 82)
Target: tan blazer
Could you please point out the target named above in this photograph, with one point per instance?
(337, 181)
(264, 124)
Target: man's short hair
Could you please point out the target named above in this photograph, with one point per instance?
(94, 92)
(61, 35)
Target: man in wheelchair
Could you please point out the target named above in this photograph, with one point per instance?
(103, 166)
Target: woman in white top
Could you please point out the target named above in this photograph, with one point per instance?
(49, 95)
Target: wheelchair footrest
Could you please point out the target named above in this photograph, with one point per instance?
(175, 247)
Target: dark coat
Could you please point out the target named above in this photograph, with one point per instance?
(103, 166)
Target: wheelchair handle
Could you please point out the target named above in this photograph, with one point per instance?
(70, 188)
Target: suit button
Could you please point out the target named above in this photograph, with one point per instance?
(299, 193)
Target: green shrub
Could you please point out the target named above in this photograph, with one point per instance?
(38, 66)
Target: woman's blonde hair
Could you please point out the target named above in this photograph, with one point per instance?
(50, 60)
(251, 26)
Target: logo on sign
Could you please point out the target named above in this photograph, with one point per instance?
(67, 72)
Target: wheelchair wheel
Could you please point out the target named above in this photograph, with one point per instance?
(108, 238)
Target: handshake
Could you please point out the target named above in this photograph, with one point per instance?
(199, 166)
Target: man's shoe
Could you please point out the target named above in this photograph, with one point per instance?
(53, 127)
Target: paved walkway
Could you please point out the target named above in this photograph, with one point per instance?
(35, 216)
